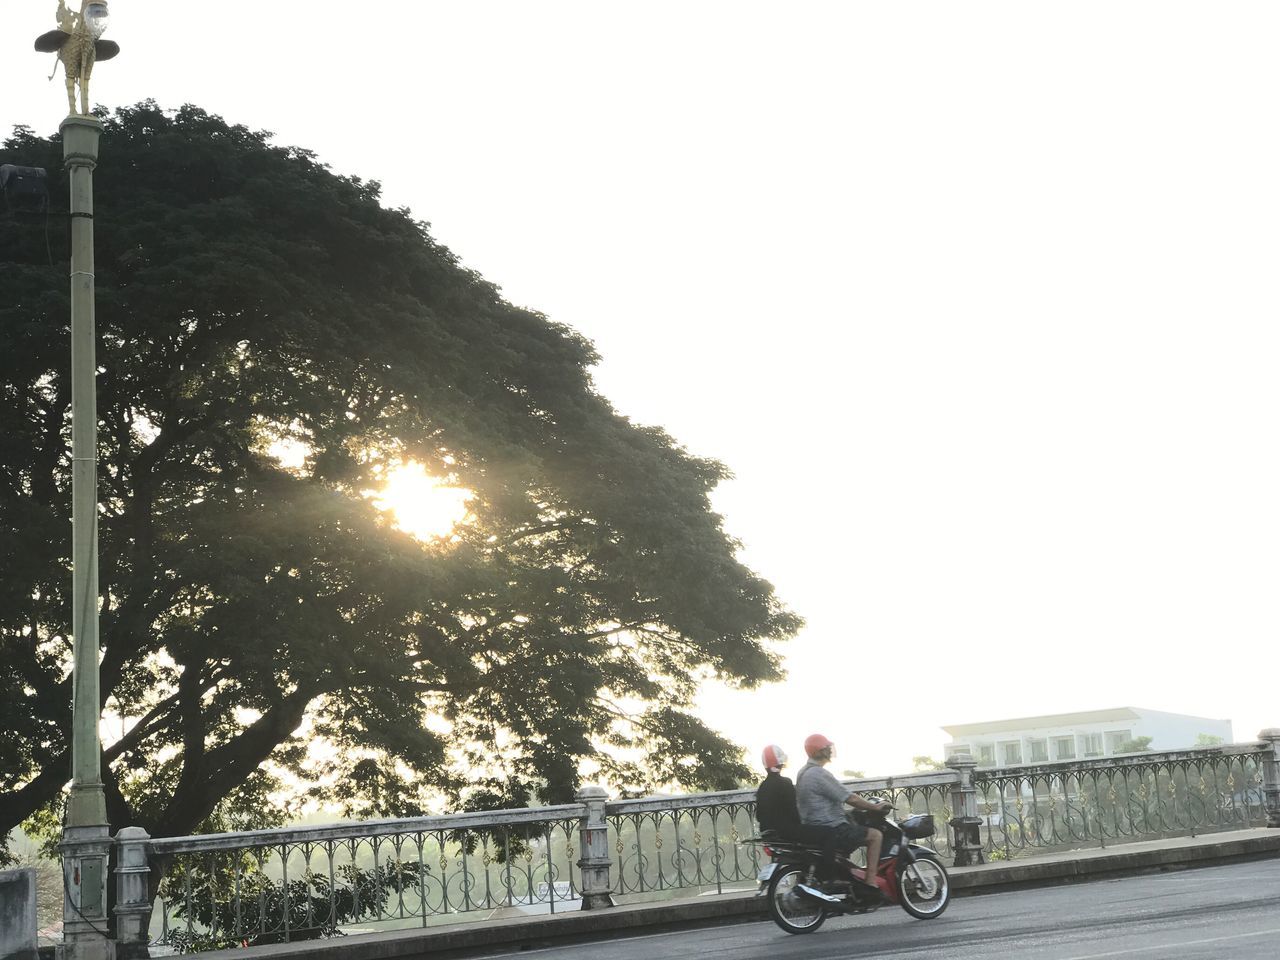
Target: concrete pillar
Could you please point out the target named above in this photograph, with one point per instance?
(597, 891)
(86, 835)
(18, 914)
(1271, 774)
(966, 825)
(133, 894)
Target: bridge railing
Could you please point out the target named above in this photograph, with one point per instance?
(1148, 796)
(275, 886)
(186, 894)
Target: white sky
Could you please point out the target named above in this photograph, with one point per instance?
(978, 300)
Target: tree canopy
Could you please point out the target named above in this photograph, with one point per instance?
(246, 297)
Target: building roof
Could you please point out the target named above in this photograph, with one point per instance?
(1114, 714)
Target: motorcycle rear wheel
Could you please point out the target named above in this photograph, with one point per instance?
(924, 890)
(791, 909)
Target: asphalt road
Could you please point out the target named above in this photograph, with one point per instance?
(1216, 913)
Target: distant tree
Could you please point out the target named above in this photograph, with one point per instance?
(1136, 745)
(924, 763)
(247, 296)
(852, 774)
(1208, 740)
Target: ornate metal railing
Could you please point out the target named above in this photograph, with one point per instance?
(274, 886)
(934, 793)
(1118, 799)
(669, 843)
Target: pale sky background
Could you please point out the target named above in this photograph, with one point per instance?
(977, 300)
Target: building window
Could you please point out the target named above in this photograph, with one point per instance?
(1011, 753)
(1115, 738)
(986, 755)
(1064, 748)
(1092, 744)
(1039, 750)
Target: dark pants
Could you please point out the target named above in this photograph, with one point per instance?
(843, 839)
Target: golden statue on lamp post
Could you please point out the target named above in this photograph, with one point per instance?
(78, 44)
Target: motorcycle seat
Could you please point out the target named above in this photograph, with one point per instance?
(785, 845)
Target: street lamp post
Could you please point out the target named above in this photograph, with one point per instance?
(86, 833)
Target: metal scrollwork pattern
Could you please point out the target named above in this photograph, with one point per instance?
(683, 847)
(316, 886)
(1064, 805)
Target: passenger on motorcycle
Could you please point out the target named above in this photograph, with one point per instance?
(821, 800)
(776, 798)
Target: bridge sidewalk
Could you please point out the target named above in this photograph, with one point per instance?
(525, 933)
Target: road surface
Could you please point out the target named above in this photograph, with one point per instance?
(1207, 914)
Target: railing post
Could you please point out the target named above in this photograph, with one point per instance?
(966, 825)
(133, 899)
(1271, 774)
(597, 892)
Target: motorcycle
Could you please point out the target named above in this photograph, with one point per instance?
(909, 875)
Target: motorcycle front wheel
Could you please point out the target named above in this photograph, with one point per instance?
(791, 909)
(924, 889)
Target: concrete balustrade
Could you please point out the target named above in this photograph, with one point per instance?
(133, 895)
(1271, 773)
(18, 914)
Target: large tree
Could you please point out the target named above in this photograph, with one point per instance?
(249, 297)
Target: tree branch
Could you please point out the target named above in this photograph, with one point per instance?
(227, 766)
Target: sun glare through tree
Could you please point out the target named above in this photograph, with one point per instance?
(424, 506)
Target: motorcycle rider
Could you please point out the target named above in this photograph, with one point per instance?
(821, 800)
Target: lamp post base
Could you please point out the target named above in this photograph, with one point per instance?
(100, 949)
(85, 850)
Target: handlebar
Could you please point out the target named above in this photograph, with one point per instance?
(885, 815)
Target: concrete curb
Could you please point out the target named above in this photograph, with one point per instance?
(584, 925)
(527, 933)
(1083, 865)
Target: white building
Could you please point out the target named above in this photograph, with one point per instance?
(1071, 736)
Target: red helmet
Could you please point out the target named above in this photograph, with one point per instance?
(773, 756)
(815, 743)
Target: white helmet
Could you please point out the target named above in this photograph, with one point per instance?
(773, 757)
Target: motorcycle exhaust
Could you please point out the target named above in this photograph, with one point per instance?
(819, 895)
